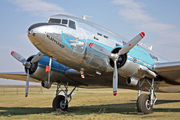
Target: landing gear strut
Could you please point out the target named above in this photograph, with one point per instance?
(61, 102)
(145, 102)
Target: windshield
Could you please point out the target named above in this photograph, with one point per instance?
(68, 23)
(52, 20)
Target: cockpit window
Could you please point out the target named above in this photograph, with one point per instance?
(64, 21)
(72, 24)
(52, 20)
(67, 23)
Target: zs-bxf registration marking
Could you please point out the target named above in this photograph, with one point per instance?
(54, 40)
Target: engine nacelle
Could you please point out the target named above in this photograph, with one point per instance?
(132, 81)
(45, 84)
(38, 70)
(121, 60)
(126, 68)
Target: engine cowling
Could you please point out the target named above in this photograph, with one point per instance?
(126, 68)
(33, 66)
(121, 60)
(38, 69)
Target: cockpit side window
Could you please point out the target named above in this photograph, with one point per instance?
(52, 20)
(72, 24)
(64, 21)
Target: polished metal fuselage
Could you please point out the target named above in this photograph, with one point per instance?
(72, 48)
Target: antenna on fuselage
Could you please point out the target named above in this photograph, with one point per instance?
(151, 47)
(84, 16)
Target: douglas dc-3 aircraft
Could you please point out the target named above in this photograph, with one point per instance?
(76, 52)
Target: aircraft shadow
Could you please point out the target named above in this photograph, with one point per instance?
(166, 101)
(163, 101)
(9, 111)
(124, 108)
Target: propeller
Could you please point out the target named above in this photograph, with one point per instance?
(27, 64)
(37, 57)
(115, 79)
(49, 72)
(48, 69)
(115, 56)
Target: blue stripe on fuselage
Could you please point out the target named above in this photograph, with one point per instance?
(142, 56)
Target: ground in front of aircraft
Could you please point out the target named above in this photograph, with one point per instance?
(86, 104)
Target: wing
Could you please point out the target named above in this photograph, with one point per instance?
(170, 71)
(21, 77)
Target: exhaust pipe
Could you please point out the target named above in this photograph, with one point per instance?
(132, 81)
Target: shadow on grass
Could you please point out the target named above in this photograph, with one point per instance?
(125, 108)
(166, 109)
(7, 111)
(166, 101)
(162, 101)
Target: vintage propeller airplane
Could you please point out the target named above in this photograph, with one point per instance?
(80, 53)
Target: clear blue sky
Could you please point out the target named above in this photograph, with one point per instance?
(159, 19)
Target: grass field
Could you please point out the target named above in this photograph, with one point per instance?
(87, 104)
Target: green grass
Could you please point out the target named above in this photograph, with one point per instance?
(87, 104)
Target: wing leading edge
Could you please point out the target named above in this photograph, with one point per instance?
(170, 71)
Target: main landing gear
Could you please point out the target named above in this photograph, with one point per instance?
(145, 102)
(61, 102)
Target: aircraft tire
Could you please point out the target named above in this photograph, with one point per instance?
(58, 103)
(143, 104)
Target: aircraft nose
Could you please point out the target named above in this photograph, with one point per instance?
(34, 33)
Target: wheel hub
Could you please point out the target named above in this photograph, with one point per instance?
(148, 106)
(62, 104)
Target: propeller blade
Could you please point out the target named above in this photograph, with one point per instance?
(27, 83)
(49, 73)
(18, 57)
(115, 79)
(37, 57)
(131, 44)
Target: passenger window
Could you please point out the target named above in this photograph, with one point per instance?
(52, 20)
(106, 36)
(99, 34)
(72, 24)
(64, 21)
